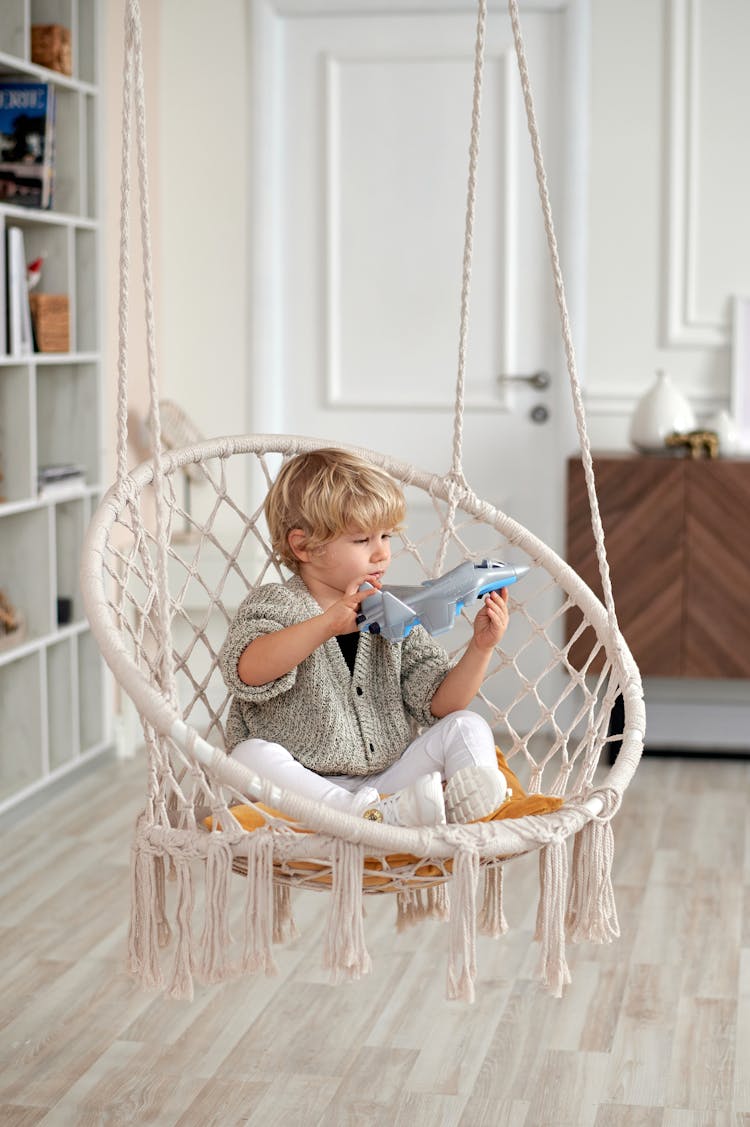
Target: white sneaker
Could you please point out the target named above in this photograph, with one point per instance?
(421, 804)
(473, 793)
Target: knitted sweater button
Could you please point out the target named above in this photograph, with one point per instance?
(372, 747)
(359, 690)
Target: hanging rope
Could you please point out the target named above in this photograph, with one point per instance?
(471, 205)
(456, 475)
(457, 482)
(133, 91)
(124, 261)
(567, 335)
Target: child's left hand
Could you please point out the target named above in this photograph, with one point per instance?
(492, 620)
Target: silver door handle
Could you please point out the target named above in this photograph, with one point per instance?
(538, 380)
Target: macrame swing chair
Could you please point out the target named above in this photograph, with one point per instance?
(551, 716)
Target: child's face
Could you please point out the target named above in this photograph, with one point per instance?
(351, 559)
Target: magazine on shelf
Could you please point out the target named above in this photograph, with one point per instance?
(60, 469)
(20, 339)
(27, 142)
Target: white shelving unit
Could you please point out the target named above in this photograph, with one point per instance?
(53, 711)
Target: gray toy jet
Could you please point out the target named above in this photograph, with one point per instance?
(393, 611)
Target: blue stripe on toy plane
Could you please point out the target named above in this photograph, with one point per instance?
(496, 586)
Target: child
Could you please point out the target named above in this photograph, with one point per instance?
(327, 712)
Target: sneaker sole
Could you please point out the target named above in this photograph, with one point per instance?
(473, 793)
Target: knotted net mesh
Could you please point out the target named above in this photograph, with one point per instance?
(549, 689)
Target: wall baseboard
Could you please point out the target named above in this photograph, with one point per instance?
(712, 720)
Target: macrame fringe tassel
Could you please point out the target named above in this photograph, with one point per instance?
(181, 982)
(259, 905)
(491, 920)
(550, 921)
(216, 937)
(284, 926)
(149, 929)
(462, 964)
(415, 904)
(345, 953)
(592, 913)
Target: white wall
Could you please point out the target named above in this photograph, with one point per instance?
(203, 121)
(196, 110)
(669, 240)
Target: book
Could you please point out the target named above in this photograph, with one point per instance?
(27, 142)
(20, 339)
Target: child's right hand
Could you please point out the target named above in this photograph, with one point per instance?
(272, 655)
(341, 616)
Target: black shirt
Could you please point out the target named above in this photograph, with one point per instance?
(348, 644)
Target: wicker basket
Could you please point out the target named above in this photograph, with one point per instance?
(51, 315)
(50, 47)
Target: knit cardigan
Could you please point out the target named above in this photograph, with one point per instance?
(332, 721)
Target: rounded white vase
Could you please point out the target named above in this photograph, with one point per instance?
(662, 411)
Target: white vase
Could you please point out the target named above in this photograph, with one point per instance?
(662, 411)
(727, 431)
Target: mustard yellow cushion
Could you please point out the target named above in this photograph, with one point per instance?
(251, 817)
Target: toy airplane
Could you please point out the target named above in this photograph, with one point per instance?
(394, 611)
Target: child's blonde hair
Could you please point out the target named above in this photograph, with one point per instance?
(326, 493)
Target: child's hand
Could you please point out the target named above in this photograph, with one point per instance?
(341, 617)
(492, 620)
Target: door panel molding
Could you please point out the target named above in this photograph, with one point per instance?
(370, 250)
(687, 210)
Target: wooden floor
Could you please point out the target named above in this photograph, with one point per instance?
(654, 1031)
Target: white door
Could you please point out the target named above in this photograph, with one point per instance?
(361, 157)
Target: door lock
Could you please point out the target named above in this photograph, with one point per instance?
(539, 413)
(540, 381)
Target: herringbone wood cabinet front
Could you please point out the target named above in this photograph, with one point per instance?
(678, 543)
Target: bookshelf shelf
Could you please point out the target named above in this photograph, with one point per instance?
(52, 685)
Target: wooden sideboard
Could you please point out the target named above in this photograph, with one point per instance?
(677, 534)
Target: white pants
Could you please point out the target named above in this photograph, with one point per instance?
(462, 739)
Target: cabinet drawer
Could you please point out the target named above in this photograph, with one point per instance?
(678, 543)
(642, 506)
(717, 570)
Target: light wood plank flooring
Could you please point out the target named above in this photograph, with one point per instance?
(654, 1031)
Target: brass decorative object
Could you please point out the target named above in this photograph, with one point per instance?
(698, 443)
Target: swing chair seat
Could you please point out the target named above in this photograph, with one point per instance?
(551, 718)
(378, 872)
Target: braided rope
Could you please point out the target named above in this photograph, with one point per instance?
(567, 336)
(124, 260)
(471, 204)
(134, 92)
(456, 472)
